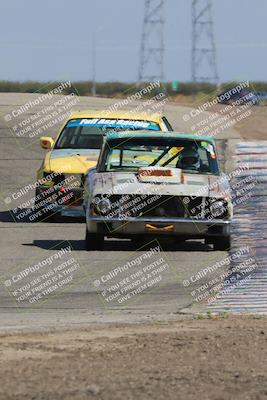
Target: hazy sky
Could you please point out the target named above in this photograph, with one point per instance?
(52, 39)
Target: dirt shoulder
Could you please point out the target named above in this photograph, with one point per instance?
(251, 127)
(187, 359)
(254, 126)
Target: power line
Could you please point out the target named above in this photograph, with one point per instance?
(204, 60)
(151, 66)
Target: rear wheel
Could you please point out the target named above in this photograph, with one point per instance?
(94, 241)
(223, 243)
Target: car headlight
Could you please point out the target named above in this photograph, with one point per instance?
(102, 205)
(218, 208)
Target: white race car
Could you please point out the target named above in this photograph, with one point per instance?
(157, 184)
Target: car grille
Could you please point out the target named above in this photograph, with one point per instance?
(69, 180)
(69, 189)
(123, 206)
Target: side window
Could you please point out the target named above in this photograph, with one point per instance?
(203, 156)
(205, 160)
(114, 158)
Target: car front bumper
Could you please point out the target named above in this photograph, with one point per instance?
(184, 227)
(67, 204)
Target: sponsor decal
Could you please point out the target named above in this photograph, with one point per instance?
(114, 123)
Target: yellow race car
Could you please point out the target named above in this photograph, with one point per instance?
(75, 150)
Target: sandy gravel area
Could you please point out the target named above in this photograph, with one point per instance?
(214, 358)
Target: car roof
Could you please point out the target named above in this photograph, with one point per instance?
(156, 134)
(121, 114)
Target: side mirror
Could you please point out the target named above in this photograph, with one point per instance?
(46, 142)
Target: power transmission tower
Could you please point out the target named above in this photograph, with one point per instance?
(152, 44)
(204, 61)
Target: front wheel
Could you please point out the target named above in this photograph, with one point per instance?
(223, 243)
(94, 241)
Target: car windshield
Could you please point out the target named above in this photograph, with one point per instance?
(88, 133)
(192, 156)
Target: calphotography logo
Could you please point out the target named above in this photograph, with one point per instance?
(145, 271)
(45, 279)
(42, 113)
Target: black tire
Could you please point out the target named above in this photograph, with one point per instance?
(222, 244)
(94, 241)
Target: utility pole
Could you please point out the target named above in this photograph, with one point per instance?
(151, 66)
(94, 65)
(204, 60)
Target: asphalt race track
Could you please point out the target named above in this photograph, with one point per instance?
(80, 300)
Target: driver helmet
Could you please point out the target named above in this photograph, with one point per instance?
(189, 159)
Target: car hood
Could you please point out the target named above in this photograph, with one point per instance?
(128, 183)
(73, 161)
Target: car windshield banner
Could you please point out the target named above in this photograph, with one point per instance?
(114, 123)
